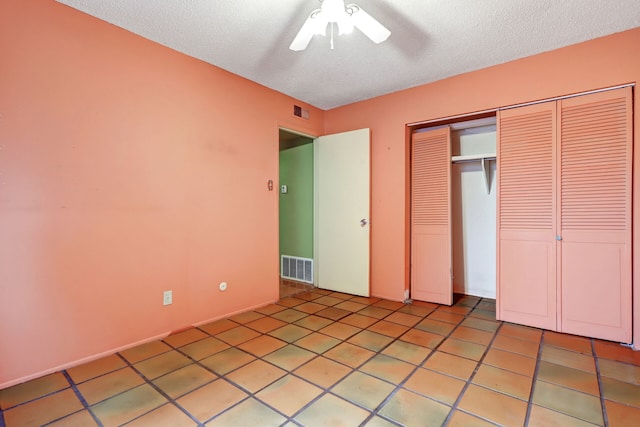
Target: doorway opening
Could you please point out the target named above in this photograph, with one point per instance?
(295, 212)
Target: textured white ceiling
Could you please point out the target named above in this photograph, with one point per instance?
(430, 39)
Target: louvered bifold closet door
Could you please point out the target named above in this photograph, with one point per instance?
(431, 216)
(595, 162)
(526, 290)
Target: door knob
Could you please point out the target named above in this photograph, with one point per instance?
(364, 222)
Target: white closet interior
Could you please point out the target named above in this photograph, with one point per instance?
(473, 207)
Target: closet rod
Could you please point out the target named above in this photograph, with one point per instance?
(494, 110)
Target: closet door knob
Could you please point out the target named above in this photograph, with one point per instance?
(364, 222)
(558, 238)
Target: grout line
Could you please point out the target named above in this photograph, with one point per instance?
(596, 359)
(170, 400)
(534, 379)
(81, 398)
(455, 404)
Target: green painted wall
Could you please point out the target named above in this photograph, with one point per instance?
(296, 207)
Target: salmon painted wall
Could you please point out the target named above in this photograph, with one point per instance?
(604, 62)
(126, 169)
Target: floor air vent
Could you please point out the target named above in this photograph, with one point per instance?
(296, 268)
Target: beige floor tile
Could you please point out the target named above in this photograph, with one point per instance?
(101, 388)
(290, 357)
(569, 377)
(408, 352)
(331, 410)
(388, 305)
(379, 422)
(290, 315)
(418, 310)
(270, 309)
(476, 336)
(620, 371)
(482, 324)
(435, 326)
(403, 319)
(465, 349)
(388, 368)
(184, 380)
(350, 306)
(227, 360)
(375, 312)
(510, 361)
(128, 405)
(246, 317)
(451, 365)
(218, 326)
(621, 392)
(568, 342)
(439, 387)
(317, 342)
(503, 381)
(543, 417)
(310, 307)
(323, 372)
(166, 415)
(569, 402)
(446, 316)
(460, 419)
(162, 364)
(210, 400)
(256, 375)
(237, 335)
(349, 354)
(363, 390)
(328, 300)
(204, 348)
(359, 320)
(289, 394)
(410, 409)
(248, 413)
(185, 337)
(78, 419)
(370, 340)
(33, 389)
(265, 324)
(145, 351)
(389, 329)
(340, 330)
(262, 345)
(290, 333)
(313, 323)
(333, 313)
(568, 358)
(516, 345)
(422, 338)
(521, 332)
(496, 407)
(96, 368)
(44, 410)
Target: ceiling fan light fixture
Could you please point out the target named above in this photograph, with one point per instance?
(346, 18)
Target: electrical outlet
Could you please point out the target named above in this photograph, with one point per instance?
(167, 298)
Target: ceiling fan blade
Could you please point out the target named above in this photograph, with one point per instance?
(304, 36)
(368, 25)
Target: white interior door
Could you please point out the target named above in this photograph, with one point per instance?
(341, 214)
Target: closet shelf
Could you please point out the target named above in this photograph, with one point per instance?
(472, 157)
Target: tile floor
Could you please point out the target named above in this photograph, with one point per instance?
(329, 359)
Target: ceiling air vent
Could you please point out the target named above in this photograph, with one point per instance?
(298, 111)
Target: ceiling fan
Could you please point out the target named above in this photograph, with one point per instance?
(346, 17)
